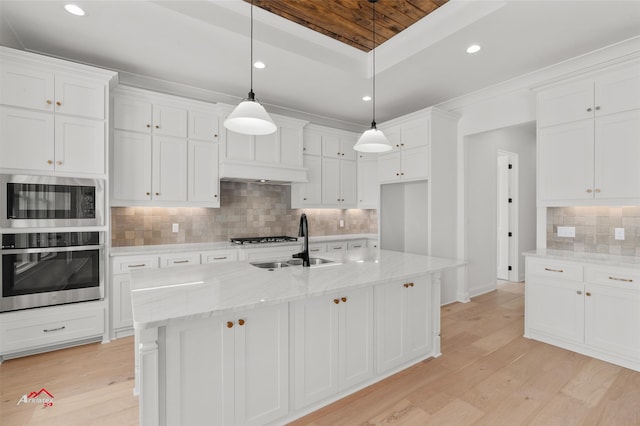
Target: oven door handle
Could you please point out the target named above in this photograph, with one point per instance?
(52, 249)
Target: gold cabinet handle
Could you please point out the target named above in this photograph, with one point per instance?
(49, 102)
(229, 324)
(553, 270)
(589, 191)
(397, 145)
(49, 162)
(215, 195)
(406, 285)
(589, 109)
(148, 193)
(344, 299)
(397, 174)
(157, 127)
(157, 193)
(597, 108)
(241, 322)
(597, 190)
(336, 301)
(411, 284)
(59, 163)
(59, 103)
(588, 294)
(215, 135)
(626, 280)
(148, 126)
(578, 292)
(401, 144)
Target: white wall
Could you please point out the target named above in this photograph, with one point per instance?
(481, 153)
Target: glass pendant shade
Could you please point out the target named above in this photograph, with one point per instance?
(373, 140)
(250, 118)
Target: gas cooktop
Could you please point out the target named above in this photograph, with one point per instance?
(261, 240)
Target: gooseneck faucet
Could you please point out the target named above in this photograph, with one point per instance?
(303, 231)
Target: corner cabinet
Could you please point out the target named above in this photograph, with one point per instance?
(53, 116)
(584, 307)
(589, 139)
(241, 360)
(165, 151)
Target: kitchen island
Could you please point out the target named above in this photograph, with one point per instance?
(236, 344)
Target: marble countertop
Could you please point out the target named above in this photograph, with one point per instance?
(592, 258)
(222, 245)
(199, 291)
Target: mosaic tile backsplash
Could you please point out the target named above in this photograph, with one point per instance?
(595, 227)
(246, 210)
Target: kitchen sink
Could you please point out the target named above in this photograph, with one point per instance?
(270, 265)
(312, 261)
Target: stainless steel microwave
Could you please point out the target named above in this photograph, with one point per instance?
(50, 201)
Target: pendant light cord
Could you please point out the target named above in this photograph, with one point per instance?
(373, 123)
(251, 58)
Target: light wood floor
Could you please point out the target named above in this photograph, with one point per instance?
(488, 375)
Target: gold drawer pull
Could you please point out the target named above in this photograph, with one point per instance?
(49, 330)
(626, 280)
(241, 322)
(229, 324)
(553, 270)
(336, 301)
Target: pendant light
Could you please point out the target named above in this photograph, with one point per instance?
(373, 140)
(250, 117)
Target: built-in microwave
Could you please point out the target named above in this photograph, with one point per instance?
(50, 201)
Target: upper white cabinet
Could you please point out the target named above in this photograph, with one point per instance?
(590, 154)
(274, 157)
(331, 169)
(165, 150)
(368, 186)
(53, 115)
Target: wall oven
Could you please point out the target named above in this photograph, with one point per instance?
(51, 268)
(50, 201)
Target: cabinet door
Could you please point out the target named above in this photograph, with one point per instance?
(203, 125)
(390, 312)
(330, 181)
(315, 336)
(122, 315)
(79, 96)
(612, 320)
(26, 87)
(368, 187)
(79, 145)
(131, 166)
(356, 337)
(169, 169)
(565, 158)
(130, 114)
(415, 163)
(348, 184)
(262, 365)
(566, 103)
(312, 190)
(556, 308)
(389, 167)
(312, 143)
(200, 372)
(169, 120)
(618, 91)
(415, 134)
(418, 319)
(291, 146)
(203, 182)
(346, 147)
(617, 155)
(26, 139)
(331, 147)
(394, 136)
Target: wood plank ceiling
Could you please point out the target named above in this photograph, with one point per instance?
(349, 21)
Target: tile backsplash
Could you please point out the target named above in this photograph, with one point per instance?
(247, 209)
(594, 229)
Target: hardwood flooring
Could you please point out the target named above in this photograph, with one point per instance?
(488, 375)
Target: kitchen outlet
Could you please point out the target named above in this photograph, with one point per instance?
(341, 223)
(175, 227)
(567, 231)
(619, 234)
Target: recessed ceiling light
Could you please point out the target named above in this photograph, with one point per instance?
(259, 64)
(366, 98)
(474, 48)
(74, 9)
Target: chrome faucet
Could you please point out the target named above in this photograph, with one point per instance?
(303, 231)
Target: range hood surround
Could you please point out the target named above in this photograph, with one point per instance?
(251, 171)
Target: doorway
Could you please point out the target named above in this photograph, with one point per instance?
(506, 214)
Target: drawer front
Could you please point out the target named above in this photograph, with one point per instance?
(317, 248)
(122, 265)
(341, 246)
(22, 332)
(219, 256)
(554, 269)
(618, 277)
(171, 260)
(356, 244)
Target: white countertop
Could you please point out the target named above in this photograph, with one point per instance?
(199, 291)
(593, 258)
(221, 245)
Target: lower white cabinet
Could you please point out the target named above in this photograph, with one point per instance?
(404, 322)
(216, 256)
(182, 259)
(333, 344)
(591, 309)
(241, 361)
(55, 326)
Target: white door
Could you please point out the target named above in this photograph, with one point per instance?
(203, 179)
(169, 120)
(418, 317)
(503, 217)
(131, 114)
(330, 181)
(169, 169)
(312, 192)
(122, 311)
(26, 139)
(348, 184)
(355, 363)
(389, 167)
(391, 315)
(131, 166)
(368, 187)
(79, 96)
(79, 146)
(203, 125)
(26, 87)
(415, 163)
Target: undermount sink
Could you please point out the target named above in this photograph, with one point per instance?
(314, 261)
(270, 265)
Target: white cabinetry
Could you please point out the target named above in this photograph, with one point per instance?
(333, 344)
(588, 140)
(591, 309)
(242, 361)
(53, 115)
(404, 322)
(368, 186)
(165, 151)
(409, 158)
